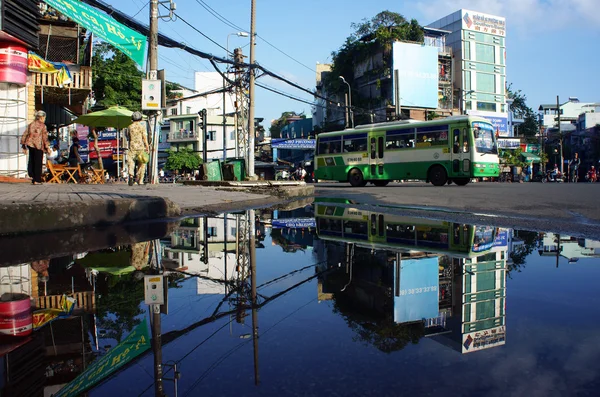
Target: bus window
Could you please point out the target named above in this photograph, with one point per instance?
(356, 228)
(380, 147)
(465, 141)
(484, 137)
(399, 139)
(330, 145)
(437, 136)
(355, 143)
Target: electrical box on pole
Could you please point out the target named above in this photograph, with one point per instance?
(154, 293)
(151, 94)
(202, 129)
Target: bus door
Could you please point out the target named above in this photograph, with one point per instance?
(376, 227)
(461, 151)
(376, 150)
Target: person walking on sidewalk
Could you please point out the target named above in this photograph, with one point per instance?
(138, 150)
(35, 142)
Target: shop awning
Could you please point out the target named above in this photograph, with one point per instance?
(530, 157)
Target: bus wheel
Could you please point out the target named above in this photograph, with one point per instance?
(380, 183)
(437, 175)
(356, 179)
(462, 181)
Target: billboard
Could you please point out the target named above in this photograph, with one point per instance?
(294, 223)
(416, 286)
(415, 76)
(484, 23)
(485, 339)
(282, 143)
(498, 120)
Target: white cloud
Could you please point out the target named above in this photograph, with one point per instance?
(522, 16)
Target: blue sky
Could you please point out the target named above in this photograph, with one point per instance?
(552, 45)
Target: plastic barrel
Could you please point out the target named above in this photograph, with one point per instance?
(16, 318)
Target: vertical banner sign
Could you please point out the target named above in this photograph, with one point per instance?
(135, 344)
(13, 64)
(126, 40)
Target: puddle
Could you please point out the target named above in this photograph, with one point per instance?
(325, 299)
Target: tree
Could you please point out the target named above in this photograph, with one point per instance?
(278, 124)
(531, 125)
(521, 252)
(183, 159)
(116, 78)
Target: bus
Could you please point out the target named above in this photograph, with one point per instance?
(379, 230)
(454, 149)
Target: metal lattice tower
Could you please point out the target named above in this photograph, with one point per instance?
(241, 299)
(242, 105)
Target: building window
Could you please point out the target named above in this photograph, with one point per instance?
(232, 135)
(233, 231)
(212, 231)
(211, 135)
(174, 112)
(467, 51)
(467, 81)
(188, 110)
(485, 53)
(486, 106)
(486, 82)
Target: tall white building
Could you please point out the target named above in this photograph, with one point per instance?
(183, 118)
(479, 47)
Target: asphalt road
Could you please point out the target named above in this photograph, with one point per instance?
(556, 207)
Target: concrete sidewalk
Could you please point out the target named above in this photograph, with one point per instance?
(28, 208)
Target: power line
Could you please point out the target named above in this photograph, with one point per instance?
(219, 16)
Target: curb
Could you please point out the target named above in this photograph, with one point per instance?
(45, 217)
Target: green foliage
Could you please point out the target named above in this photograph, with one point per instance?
(278, 124)
(521, 252)
(531, 125)
(116, 78)
(369, 36)
(183, 159)
(512, 157)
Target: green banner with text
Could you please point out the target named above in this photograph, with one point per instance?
(137, 342)
(130, 42)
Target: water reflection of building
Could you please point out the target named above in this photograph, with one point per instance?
(293, 229)
(571, 248)
(448, 278)
(207, 247)
(55, 354)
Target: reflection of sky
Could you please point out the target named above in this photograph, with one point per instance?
(553, 342)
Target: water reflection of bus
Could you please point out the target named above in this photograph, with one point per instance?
(386, 230)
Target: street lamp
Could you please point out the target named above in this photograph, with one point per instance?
(465, 93)
(349, 104)
(238, 34)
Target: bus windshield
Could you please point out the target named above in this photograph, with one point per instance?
(484, 137)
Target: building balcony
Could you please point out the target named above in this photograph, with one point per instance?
(182, 136)
(81, 79)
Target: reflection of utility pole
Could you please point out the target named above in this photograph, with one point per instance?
(252, 236)
(157, 350)
(557, 249)
(562, 161)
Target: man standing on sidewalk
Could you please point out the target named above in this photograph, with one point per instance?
(574, 168)
(139, 149)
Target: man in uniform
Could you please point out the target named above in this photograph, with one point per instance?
(138, 149)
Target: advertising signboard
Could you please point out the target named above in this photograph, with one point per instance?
(485, 339)
(126, 40)
(509, 143)
(13, 64)
(294, 223)
(106, 148)
(293, 143)
(415, 75)
(485, 23)
(136, 343)
(498, 120)
(416, 289)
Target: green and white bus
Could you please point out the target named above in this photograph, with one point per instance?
(380, 230)
(455, 149)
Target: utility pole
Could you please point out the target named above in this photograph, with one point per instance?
(251, 175)
(152, 74)
(240, 107)
(562, 161)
